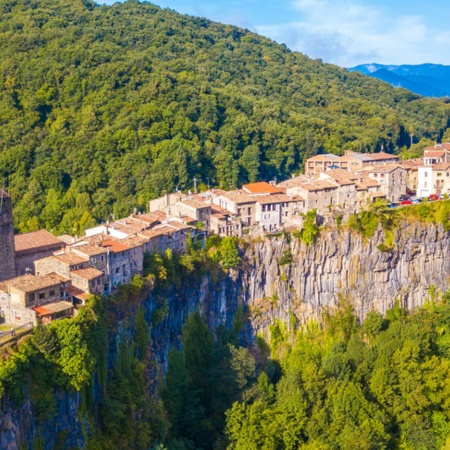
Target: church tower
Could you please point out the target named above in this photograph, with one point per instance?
(7, 250)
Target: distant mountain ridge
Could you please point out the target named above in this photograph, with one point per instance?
(429, 80)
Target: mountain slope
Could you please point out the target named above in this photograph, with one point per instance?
(431, 80)
(103, 108)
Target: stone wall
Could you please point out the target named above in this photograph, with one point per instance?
(7, 250)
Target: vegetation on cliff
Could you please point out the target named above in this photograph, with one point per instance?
(105, 107)
(382, 384)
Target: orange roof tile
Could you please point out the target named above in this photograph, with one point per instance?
(261, 188)
(114, 246)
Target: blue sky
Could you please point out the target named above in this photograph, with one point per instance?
(343, 32)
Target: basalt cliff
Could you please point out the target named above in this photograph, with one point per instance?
(279, 278)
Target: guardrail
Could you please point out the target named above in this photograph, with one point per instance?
(15, 334)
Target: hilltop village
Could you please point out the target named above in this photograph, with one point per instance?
(45, 278)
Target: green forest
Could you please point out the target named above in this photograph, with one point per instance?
(105, 107)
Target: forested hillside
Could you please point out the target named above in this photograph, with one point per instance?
(103, 108)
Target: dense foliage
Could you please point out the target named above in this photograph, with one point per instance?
(384, 384)
(105, 107)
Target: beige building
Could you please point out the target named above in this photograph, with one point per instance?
(350, 160)
(392, 179)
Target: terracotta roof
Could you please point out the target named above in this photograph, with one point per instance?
(67, 239)
(51, 308)
(76, 292)
(32, 283)
(261, 188)
(70, 258)
(433, 153)
(316, 185)
(88, 274)
(442, 146)
(195, 204)
(441, 166)
(388, 168)
(382, 155)
(276, 198)
(239, 196)
(114, 246)
(88, 248)
(324, 157)
(151, 218)
(341, 173)
(135, 241)
(36, 241)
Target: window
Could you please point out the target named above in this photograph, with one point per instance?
(426, 174)
(117, 269)
(41, 295)
(52, 292)
(425, 184)
(31, 297)
(249, 211)
(439, 174)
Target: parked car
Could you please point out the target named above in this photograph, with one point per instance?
(433, 197)
(416, 200)
(406, 202)
(404, 197)
(392, 205)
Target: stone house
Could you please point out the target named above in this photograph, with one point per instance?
(350, 160)
(240, 204)
(33, 246)
(321, 195)
(277, 211)
(224, 223)
(18, 296)
(89, 280)
(392, 179)
(62, 263)
(196, 210)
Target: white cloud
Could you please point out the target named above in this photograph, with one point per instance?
(350, 32)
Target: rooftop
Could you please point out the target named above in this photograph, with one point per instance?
(31, 283)
(51, 308)
(324, 157)
(70, 258)
(388, 168)
(88, 274)
(382, 155)
(88, 248)
(35, 241)
(260, 188)
(276, 198)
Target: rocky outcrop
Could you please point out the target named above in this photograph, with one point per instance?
(279, 278)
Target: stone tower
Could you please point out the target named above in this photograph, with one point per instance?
(7, 250)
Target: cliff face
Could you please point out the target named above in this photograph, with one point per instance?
(312, 277)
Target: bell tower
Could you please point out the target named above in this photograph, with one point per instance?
(7, 250)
